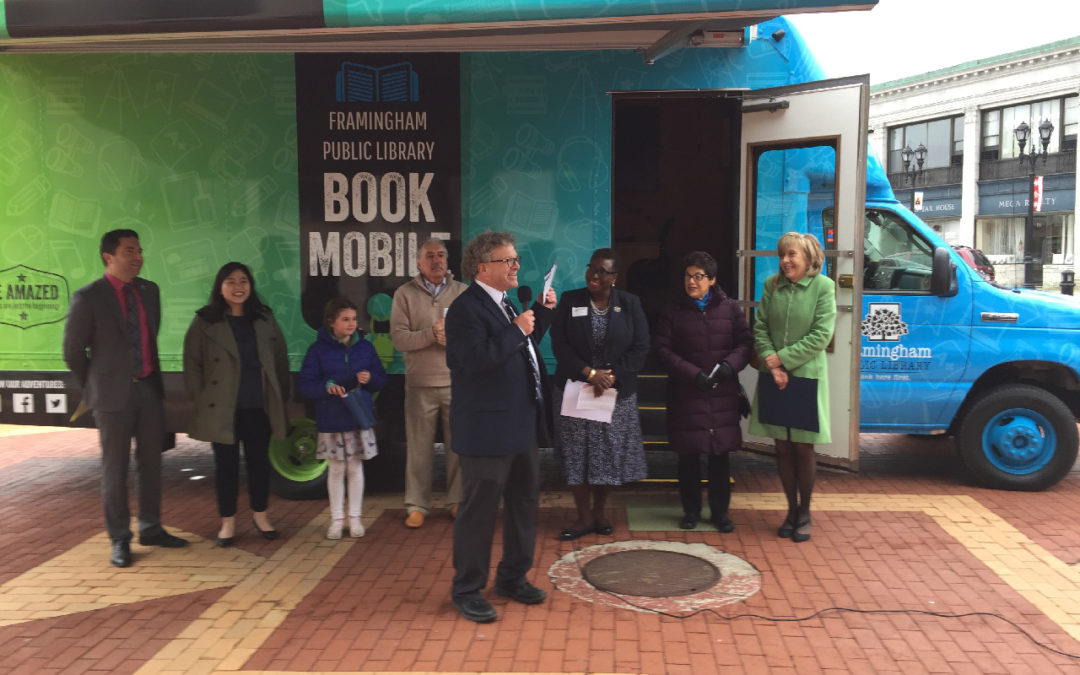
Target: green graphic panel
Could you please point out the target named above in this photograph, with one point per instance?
(197, 153)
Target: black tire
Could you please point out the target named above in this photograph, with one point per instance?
(1018, 437)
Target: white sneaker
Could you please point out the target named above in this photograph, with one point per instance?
(356, 528)
(334, 531)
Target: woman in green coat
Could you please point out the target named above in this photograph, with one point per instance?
(794, 325)
(236, 371)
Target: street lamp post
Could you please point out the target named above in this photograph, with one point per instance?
(913, 169)
(1023, 132)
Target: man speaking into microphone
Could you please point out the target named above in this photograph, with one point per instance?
(496, 409)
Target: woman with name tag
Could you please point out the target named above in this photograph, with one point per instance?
(236, 371)
(703, 340)
(600, 338)
(794, 325)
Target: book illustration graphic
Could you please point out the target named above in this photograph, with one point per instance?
(357, 83)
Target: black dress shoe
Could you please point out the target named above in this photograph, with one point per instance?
(266, 534)
(723, 523)
(802, 531)
(689, 521)
(474, 608)
(163, 539)
(223, 542)
(570, 534)
(522, 592)
(787, 528)
(121, 554)
(605, 529)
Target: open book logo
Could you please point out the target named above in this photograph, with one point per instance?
(357, 83)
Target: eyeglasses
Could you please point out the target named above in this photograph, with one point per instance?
(510, 262)
(699, 277)
(599, 271)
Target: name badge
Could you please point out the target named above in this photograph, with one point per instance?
(579, 311)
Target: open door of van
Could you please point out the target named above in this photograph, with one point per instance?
(804, 150)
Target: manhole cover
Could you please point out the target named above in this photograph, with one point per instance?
(689, 577)
(654, 574)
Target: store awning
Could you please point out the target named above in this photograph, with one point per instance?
(653, 26)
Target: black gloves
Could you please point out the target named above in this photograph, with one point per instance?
(723, 372)
(706, 382)
(703, 382)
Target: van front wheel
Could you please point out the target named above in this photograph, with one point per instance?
(1018, 437)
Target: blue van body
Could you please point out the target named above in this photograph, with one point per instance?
(995, 366)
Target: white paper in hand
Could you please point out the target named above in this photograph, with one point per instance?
(548, 278)
(598, 410)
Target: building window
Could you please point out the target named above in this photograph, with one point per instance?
(999, 141)
(943, 138)
(1001, 240)
(1068, 126)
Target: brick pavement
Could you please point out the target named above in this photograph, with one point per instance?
(905, 533)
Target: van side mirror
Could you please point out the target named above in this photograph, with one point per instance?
(943, 275)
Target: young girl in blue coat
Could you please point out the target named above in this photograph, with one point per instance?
(339, 361)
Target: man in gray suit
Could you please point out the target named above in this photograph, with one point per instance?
(110, 345)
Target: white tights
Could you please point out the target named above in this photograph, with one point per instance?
(340, 469)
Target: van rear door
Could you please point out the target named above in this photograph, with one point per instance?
(803, 151)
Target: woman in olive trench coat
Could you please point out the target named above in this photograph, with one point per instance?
(236, 372)
(793, 326)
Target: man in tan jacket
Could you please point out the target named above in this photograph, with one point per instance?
(417, 330)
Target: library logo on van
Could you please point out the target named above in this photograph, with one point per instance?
(31, 297)
(360, 83)
(882, 322)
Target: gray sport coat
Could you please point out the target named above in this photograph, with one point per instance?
(96, 348)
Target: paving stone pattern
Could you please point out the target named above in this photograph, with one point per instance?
(906, 533)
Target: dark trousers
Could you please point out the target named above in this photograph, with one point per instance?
(719, 483)
(514, 480)
(143, 418)
(253, 430)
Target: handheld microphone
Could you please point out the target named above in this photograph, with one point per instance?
(524, 295)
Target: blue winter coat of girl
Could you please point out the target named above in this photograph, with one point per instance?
(329, 359)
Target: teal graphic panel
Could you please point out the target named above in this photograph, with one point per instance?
(413, 12)
(536, 156)
(197, 153)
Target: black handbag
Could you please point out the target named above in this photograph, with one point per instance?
(744, 402)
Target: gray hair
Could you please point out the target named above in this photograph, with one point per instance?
(479, 250)
(432, 241)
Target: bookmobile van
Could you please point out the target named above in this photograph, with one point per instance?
(320, 142)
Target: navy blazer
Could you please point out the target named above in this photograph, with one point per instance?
(492, 407)
(625, 347)
(96, 347)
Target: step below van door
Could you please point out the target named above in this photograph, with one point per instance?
(804, 151)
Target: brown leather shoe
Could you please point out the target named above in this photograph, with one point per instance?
(453, 511)
(415, 519)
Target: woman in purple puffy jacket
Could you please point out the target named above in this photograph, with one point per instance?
(703, 341)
